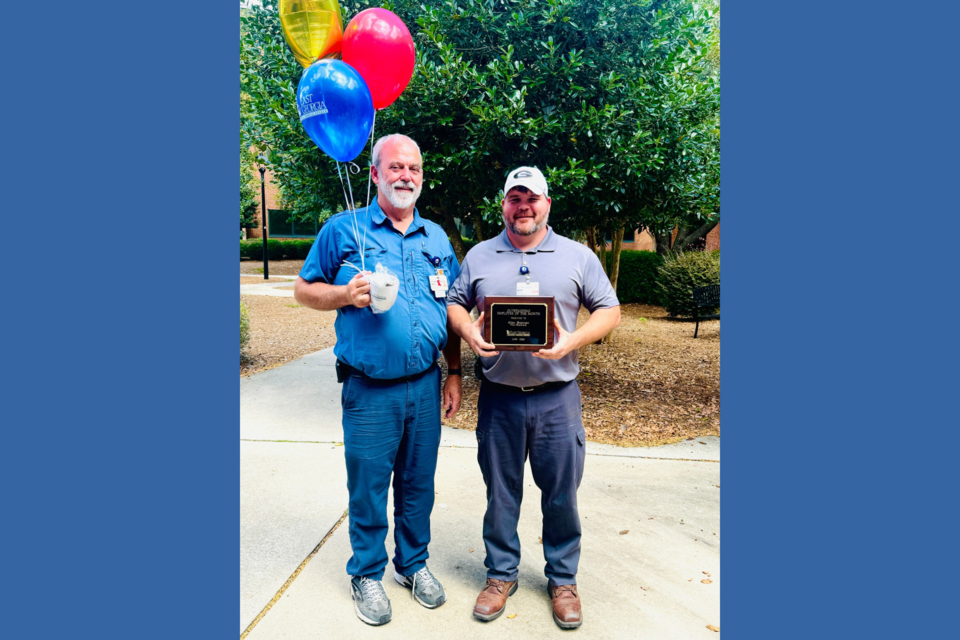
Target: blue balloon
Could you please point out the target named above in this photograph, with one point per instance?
(336, 108)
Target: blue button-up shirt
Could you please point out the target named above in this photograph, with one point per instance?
(408, 338)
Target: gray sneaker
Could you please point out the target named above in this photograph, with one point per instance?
(370, 600)
(426, 589)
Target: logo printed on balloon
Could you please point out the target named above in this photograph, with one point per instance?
(308, 108)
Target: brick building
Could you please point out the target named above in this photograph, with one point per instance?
(643, 241)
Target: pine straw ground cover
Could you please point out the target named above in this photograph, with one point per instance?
(652, 384)
(276, 267)
(281, 330)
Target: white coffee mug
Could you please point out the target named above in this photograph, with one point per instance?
(383, 291)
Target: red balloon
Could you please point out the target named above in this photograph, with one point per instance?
(379, 46)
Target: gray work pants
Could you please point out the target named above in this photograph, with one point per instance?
(548, 427)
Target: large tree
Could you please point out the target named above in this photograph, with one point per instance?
(606, 96)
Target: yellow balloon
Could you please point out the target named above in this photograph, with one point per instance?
(313, 28)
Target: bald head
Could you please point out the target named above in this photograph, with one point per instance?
(392, 139)
(397, 171)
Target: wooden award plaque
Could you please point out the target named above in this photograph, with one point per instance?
(519, 323)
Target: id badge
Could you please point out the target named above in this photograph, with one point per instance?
(528, 288)
(438, 284)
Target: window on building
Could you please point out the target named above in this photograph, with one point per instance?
(629, 235)
(283, 224)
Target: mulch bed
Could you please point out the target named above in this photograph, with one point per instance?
(260, 280)
(276, 267)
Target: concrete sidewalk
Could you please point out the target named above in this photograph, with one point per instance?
(268, 288)
(646, 582)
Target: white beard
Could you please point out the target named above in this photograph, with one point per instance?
(401, 199)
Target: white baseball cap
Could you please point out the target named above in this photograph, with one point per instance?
(529, 177)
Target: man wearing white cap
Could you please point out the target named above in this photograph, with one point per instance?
(529, 402)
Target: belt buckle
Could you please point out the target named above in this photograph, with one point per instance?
(527, 389)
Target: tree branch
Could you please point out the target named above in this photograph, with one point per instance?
(689, 238)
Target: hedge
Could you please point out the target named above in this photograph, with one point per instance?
(680, 274)
(639, 274)
(276, 249)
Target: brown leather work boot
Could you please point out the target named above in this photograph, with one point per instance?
(566, 606)
(491, 601)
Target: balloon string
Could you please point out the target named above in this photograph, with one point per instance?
(349, 199)
(370, 173)
(342, 186)
(356, 224)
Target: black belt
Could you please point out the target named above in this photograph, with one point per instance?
(346, 371)
(546, 386)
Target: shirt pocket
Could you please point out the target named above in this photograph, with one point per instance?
(371, 256)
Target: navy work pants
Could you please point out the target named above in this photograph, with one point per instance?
(390, 429)
(548, 427)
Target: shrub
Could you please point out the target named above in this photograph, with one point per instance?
(468, 244)
(251, 248)
(680, 274)
(639, 274)
(274, 249)
(303, 248)
(244, 326)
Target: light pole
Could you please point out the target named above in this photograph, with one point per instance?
(261, 159)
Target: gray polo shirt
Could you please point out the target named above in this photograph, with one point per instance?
(564, 269)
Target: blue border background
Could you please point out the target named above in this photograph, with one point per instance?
(120, 458)
(839, 142)
(121, 455)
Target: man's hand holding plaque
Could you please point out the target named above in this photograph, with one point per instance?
(474, 338)
(565, 344)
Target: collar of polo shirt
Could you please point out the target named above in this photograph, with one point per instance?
(549, 243)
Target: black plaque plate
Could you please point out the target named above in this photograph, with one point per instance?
(519, 323)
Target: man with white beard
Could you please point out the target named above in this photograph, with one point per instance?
(388, 366)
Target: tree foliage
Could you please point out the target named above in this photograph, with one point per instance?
(249, 191)
(613, 99)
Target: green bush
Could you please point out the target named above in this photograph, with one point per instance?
(639, 273)
(681, 274)
(251, 249)
(468, 244)
(274, 249)
(303, 248)
(244, 326)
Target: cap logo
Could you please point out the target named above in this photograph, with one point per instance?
(523, 174)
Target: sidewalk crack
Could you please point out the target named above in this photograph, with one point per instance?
(292, 577)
